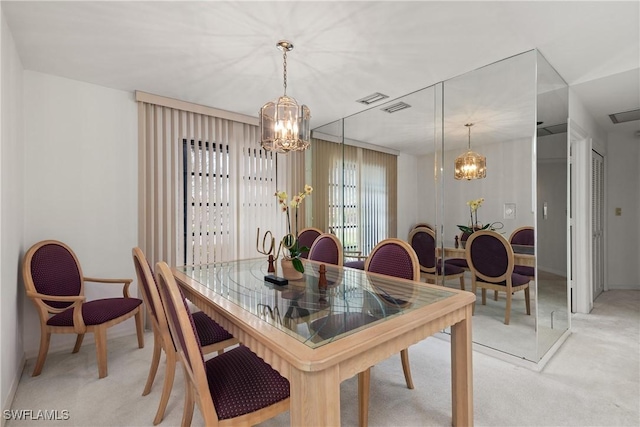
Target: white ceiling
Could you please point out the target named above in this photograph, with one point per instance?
(223, 54)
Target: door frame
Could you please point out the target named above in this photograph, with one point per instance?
(580, 247)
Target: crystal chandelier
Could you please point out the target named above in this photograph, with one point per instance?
(284, 125)
(470, 165)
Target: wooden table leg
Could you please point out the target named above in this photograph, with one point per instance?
(315, 397)
(462, 372)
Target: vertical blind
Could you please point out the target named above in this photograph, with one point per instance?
(205, 185)
(356, 193)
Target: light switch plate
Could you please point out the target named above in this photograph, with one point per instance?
(509, 211)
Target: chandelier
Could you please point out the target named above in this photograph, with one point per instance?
(284, 125)
(470, 165)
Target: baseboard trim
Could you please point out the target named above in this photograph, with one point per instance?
(6, 405)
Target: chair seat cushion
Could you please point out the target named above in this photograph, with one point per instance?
(524, 270)
(97, 311)
(355, 264)
(449, 268)
(241, 382)
(209, 332)
(458, 262)
(516, 280)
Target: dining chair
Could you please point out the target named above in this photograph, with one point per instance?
(524, 236)
(233, 388)
(327, 248)
(460, 262)
(423, 224)
(491, 262)
(213, 337)
(423, 242)
(306, 237)
(391, 257)
(55, 283)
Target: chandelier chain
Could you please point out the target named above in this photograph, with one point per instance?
(284, 57)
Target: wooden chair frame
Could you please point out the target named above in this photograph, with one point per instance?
(364, 377)
(430, 273)
(196, 384)
(79, 327)
(493, 282)
(162, 337)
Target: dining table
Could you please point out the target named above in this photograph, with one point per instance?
(522, 254)
(332, 324)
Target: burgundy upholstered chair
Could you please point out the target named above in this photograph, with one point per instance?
(491, 262)
(391, 257)
(327, 248)
(423, 241)
(234, 388)
(213, 337)
(459, 262)
(55, 284)
(306, 237)
(524, 236)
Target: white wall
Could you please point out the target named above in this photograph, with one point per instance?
(622, 183)
(509, 175)
(11, 214)
(81, 181)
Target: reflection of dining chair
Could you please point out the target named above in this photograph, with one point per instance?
(523, 236)
(328, 249)
(491, 262)
(213, 338)
(306, 237)
(235, 387)
(423, 224)
(423, 241)
(460, 262)
(391, 257)
(54, 282)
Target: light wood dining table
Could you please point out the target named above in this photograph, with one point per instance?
(284, 326)
(522, 254)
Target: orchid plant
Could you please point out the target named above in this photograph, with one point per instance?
(290, 241)
(474, 205)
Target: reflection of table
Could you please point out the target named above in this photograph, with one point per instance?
(522, 254)
(232, 292)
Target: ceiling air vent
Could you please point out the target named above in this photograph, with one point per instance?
(627, 116)
(396, 107)
(373, 98)
(553, 129)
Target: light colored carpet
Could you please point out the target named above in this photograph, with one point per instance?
(593, 380)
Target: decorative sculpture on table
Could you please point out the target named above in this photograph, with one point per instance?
(264, 251)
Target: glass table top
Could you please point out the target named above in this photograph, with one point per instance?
(315, 315)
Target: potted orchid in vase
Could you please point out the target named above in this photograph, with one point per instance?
(290, 240)
(474, 205)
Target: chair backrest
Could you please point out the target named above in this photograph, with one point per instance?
(523, 236)
(185, 336)
(50, 267)
(423, 224)
(489, 256)
(394, 257)
(306, 237)
(327, 248)
(423, 241)
(150, 294)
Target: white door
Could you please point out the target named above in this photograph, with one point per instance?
(597, 222)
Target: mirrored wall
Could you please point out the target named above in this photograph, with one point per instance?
(392, 166)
